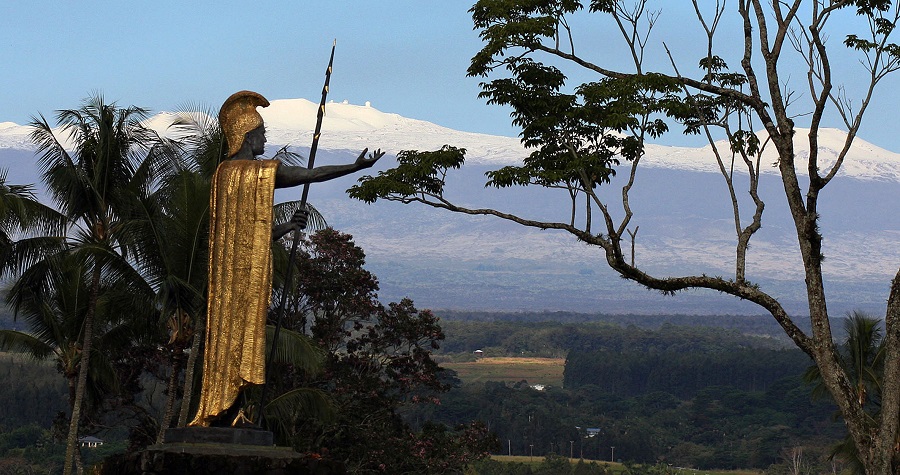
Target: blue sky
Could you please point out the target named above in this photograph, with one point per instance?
(405, 56)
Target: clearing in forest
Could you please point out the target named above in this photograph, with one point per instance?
(546, 371)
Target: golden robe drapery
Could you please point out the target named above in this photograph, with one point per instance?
(240, 282)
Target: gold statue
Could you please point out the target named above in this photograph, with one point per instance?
(240, 258)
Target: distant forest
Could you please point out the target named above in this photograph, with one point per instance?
(760, 325)
(703, 392)
(694, 391)
(555, 334)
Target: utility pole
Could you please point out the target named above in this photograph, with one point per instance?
(571, 443)
(612, 457)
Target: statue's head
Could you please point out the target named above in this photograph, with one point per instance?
(238, 116)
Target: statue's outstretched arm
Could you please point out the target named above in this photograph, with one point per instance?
(287, 176)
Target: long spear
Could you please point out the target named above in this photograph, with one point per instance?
(296, 241)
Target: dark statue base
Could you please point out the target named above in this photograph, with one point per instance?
(217, 451)
(219, 435)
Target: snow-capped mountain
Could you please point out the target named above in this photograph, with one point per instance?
(443, 260)
(14, 136)
(864, 160)
(354, 127)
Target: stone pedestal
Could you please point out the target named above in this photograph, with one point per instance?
(219, 435)
(217, 451)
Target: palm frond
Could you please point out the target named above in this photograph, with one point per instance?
(102, 377)
(296, 349)
(197, 130)
(283, 412)
(20, 342)
(284, 211)
(29, 250)
(21, 212)
(289, 157)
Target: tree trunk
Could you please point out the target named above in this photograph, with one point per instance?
(87, 343)
(824, 352)
(199, 333)
(171, 390)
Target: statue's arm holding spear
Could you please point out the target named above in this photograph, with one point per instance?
(288, 176)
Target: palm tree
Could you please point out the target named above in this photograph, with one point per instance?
(94, 173)
(55, 312)
(862, 358)
(172, 258)
(52, 297)
(172, 223)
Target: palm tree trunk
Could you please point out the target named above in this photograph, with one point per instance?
(72, 440)
(199, 332)
(166, 422)
(72, 383)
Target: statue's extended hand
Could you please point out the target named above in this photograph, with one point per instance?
(363, 162)
(297, 223)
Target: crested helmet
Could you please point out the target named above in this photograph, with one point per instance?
(238, 116)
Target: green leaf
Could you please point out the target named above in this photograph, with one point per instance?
(416, 173)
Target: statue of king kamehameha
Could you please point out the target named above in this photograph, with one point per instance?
(240, 257)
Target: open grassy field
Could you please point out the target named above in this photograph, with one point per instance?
(547, 371)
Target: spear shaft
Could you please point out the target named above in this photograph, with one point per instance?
(289, 273)
(319, 115)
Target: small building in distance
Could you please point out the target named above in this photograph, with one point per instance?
(479, 353)
(589, 431)
(90, 441)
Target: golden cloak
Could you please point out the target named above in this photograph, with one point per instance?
(240, 283)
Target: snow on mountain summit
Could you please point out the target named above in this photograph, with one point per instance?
(864, 160)
(300, 114)
(15, 136)
(355, 127)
